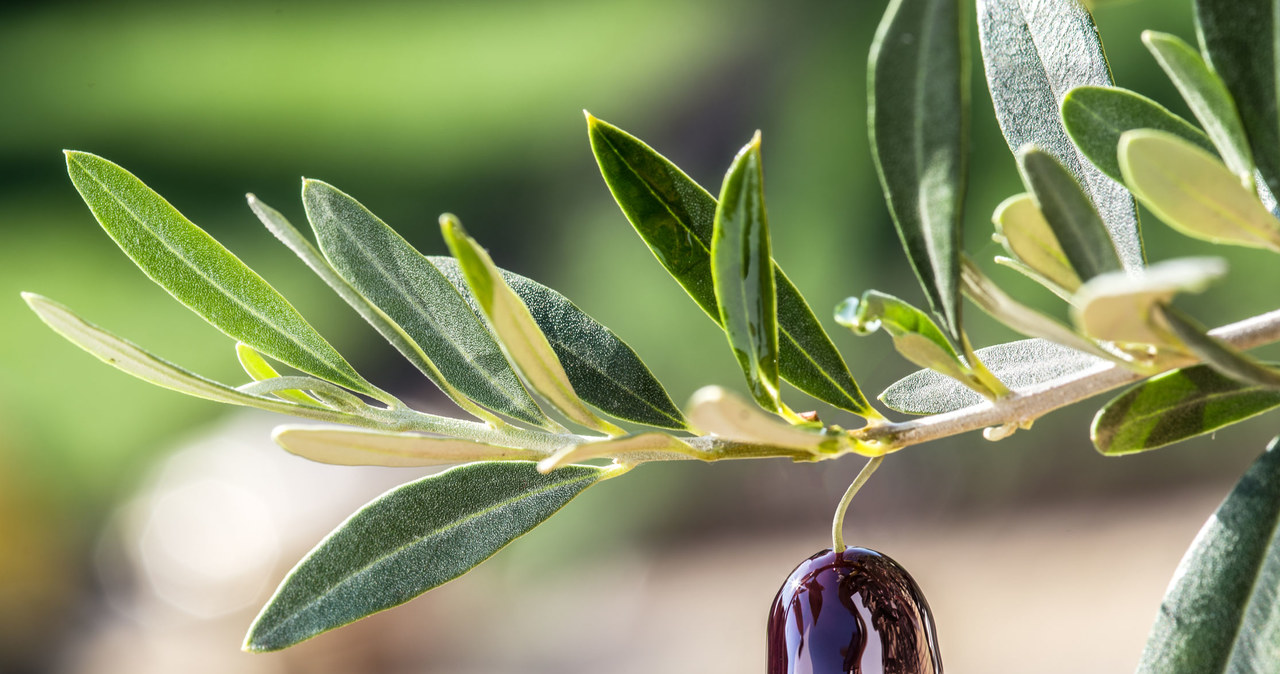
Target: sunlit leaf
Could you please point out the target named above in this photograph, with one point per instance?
(715, 410)
(1027, 236)
(359, 447)
(1034, 53)
(675, 217)
(1022, 365)
(1096, 116)
(1208, 98)
(742, 267)
(604, 371)
(454, 349)
(410, 540)
(134, 360)
(1221, 613)
(1076, 225)
(1216, 353)
(630, 449)
(914, 334)
(1121, 307)
(518, 333)
(1193, 192)
(201, 273)
(1238, 38)
(918, 93)
(258, 368)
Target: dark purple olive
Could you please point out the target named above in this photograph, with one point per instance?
(856, 612)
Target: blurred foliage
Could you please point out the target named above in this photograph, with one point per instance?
(474, 108)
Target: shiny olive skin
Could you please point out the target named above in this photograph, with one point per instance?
(855, 612)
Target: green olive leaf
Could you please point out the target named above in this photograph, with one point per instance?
(675, 217)
(1193, 192)
(518, 333)
(1023, 231)
(1122, 307)
(1238, 39)
(742, 267)
(1208, 98)
(914, 334)
(1175, 406)
(411, 539)
(1021, 318)
(361, 447)
(1076, 225)
(1034, 53)
(259, 369)
(1216, 353)
(1220, 614)
(454, 349)
(918, 113)
(1096, 116)
(1022, 365)
(203, 275)
(604, 370)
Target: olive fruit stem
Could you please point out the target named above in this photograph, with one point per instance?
(837, 523)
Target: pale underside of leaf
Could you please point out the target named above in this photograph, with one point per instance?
(1120, 307)
(518, 333)
(715, 410)
(1034, 52)
(1022, 365)
(631, 449)
(352, 447)
(603, 369)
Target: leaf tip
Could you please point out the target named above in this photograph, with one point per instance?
(592, 120)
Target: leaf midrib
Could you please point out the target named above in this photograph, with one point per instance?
(200, 272)
(469, 517)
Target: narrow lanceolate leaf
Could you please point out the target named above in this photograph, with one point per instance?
(914, 334)
(410, 540)
(1193, 192)
(1035, 52)
(1022, 365)
(631, 449)
(1123, 308)
(604, 371)
(201, 273)
(1096, 116)
(675, 217)
(1023, 231)
(918, 88)
(134, 360)
(352, 447)
(1075, 223)
(1208, 98)
(460, 355)
(715, 410)
(1221, 613)
(1216, 353)
(259, 369)
(518, 333)
(1238, 38)
(1175, 406)
(742, 267)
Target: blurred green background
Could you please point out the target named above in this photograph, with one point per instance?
(475, 108)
